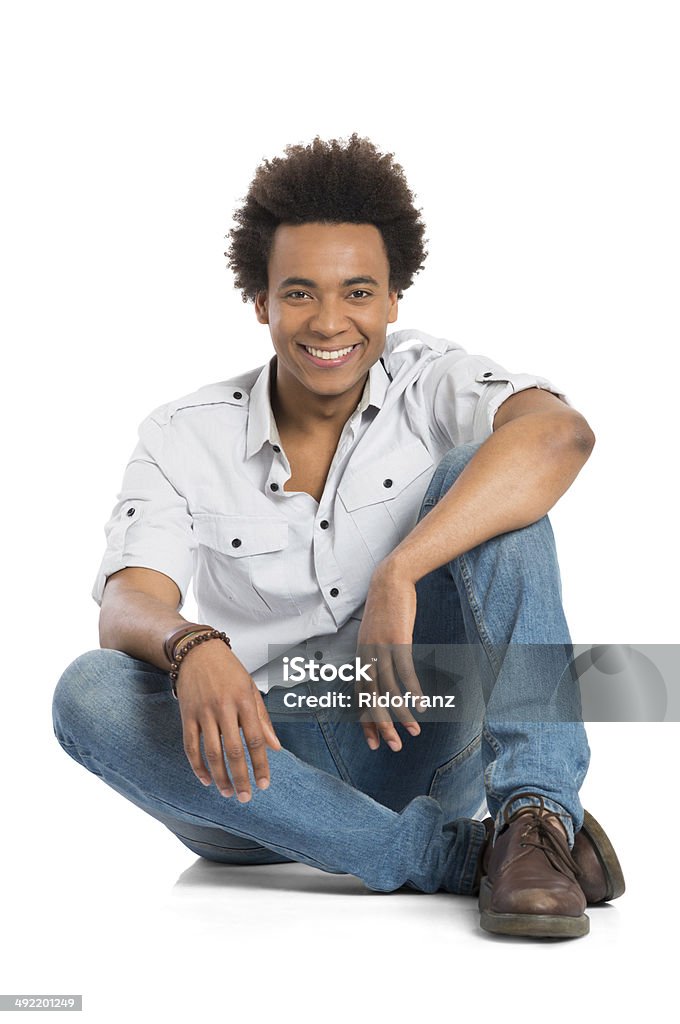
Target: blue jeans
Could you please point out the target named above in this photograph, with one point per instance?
(392, 819)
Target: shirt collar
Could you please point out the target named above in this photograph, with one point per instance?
(261, 423)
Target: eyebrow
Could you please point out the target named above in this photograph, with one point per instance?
(348, 282)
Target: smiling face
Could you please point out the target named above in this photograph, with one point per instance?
(328, 304)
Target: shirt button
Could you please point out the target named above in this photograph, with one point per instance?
(274, 487)
(237, 394)
(387, 483)
(130, 511)
(276, 448)
(324, 524)
(318, 655)
(334, 592)
(236, 543)
(487, 374)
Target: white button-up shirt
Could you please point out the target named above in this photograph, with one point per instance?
(203, 496)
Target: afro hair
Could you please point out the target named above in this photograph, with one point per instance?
(331, 182)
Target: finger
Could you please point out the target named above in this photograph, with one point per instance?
(387, 681)
(403, 660)
(379, 715)
(385, 728)
(257, 744)
(370, 732)
(212, 743)
(369, 687)
(265, 721)
(379, 667)
(191, 738)
(236, 760)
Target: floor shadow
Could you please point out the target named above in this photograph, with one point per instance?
(273, 877)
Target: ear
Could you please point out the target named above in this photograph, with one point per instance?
(262, 308)
(393, 307)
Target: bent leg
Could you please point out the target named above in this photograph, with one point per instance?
(509, 606)
(116, 716)
(441, 766)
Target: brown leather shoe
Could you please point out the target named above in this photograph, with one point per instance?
(601, 877)
(531, 886)
(600, 874)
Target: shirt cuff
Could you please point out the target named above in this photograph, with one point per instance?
(499, 387)
(177, 573)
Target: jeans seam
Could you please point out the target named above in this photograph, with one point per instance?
(216, 846)
(497, 748)
(469, 871)
(463, 755)
(334, 750)
(487, 646)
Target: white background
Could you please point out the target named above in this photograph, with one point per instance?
(541, 141)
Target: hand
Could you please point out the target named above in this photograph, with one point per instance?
(384, 643)
(217, 697)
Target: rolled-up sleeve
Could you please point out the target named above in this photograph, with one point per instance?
(463, 393)
(151, 526)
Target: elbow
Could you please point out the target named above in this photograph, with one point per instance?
(583, 437)
(571, 435)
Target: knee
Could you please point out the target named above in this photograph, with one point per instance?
(83, 691)
(447, 472)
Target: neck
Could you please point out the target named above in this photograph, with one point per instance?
(297, 409)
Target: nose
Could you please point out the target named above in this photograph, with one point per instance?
(329, 319)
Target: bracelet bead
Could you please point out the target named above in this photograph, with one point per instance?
(213, 634)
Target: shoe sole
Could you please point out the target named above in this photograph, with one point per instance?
(606, 855)
(537, 926)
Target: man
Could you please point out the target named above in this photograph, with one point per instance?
(358, 493)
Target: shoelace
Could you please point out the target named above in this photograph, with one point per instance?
(547, 840)
(549, 844)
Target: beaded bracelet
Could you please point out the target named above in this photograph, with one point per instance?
(176, 648)
(173, 638)
(214, 634)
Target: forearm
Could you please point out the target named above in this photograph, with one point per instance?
(217, 696)
(137, 621)
(513, 479)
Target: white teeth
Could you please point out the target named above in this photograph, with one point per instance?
(329, 355)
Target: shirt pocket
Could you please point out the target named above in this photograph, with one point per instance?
(383, 499)
(246, 560)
